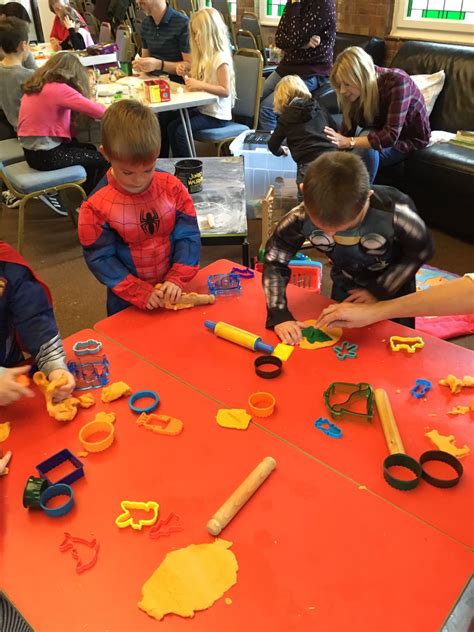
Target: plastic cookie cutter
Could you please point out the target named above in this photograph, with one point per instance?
(224, 284)
(262, 404)
(87, 347)
(92, 428)
(165, 527)
(421, 388)
(398, 458)
(59, 489)
(329, 429)
(397, 343)
(243, 273)
(57, 459)
(69, 544)
(33, 489)
(153, 395)
(346, 350)
(165, 424)
(355, 393)
(125, 519)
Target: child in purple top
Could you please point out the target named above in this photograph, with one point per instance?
(386, 103)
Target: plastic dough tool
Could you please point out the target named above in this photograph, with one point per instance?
(399, 458)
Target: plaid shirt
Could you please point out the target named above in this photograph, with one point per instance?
(402, 121)
(299, 22)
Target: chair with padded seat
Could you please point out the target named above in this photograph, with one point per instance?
(11, 151)
(26, 183)
(248, 65)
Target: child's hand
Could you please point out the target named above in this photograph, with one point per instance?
(68, 23)
(4, 460)
(55, 44)
(170, 292)
(359, 295)
(155, 300)
(289, 332)
(285, 151)
(10, 389)
(63, 391)
(182, 68)
(193, 84)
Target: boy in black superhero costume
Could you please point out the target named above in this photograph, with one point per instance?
(374, 239)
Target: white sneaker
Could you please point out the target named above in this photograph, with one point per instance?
(10, 200)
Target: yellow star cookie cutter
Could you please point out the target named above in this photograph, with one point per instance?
(125, 519)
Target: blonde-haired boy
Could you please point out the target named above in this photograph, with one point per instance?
(141, 228)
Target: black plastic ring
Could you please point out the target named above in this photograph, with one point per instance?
(402, 460)
(444, 457)
(268, 359)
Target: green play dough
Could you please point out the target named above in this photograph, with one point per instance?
(313, 335)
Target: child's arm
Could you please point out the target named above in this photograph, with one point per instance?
(185, 239)
(276, 139)
(33, 318)
(72, 99)
(280, 249)
(221, 89)
(415, 247)
(99, 243)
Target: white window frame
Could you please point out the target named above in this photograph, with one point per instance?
(429, 29)
(266, 20)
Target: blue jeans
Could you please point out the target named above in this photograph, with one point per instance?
(268, 119)
(374, 159)
(177, 136)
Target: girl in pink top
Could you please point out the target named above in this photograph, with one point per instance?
(53, 98)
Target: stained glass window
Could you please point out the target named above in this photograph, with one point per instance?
(461, 11)
(274, 8)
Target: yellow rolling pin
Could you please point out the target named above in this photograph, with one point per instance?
(241, 495)
(239, 336)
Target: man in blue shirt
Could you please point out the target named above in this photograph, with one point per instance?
(165, 43)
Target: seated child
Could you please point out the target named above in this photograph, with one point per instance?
(79, 37)
(141, 228)
(14, 43)
(17, 10)
(27, 322)
(301, 121)
(374, 239)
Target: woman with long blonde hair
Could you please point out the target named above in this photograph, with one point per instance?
(385, 102)
(53, 98)
(211, 70)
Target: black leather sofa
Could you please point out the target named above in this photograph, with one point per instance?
(440, 178)
(374, 46)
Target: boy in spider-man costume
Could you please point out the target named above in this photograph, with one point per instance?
(27, 323)
(141, 228)
(374, 239)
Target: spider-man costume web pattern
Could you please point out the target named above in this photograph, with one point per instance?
(133, 241)
(382, 254)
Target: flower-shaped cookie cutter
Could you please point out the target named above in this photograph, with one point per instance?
(354, 392)
(329, 429)
(125, 519)
(346, 350)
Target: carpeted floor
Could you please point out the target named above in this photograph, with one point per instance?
(52, 248)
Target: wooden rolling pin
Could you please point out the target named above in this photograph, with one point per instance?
(241, 495)
(389, 425)
(189, 300)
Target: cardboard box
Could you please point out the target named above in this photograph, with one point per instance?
(157, 90)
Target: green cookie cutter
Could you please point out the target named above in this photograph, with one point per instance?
(354, 393)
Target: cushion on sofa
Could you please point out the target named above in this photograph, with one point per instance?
(453, 108)
(430, 86)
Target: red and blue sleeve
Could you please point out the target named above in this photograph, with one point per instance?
(185, 240)
(100, 243)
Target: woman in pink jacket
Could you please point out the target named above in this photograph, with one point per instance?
(53, 98)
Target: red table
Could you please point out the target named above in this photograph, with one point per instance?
(179, 343)
(314, 551)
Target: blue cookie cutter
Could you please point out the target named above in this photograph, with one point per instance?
(224, 284)
(59, 489)
(421, 388)
(87, 347)
(329, 429)
(61, 457)
(146, 409)
(346, 350)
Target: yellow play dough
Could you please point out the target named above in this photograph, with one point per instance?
(189, 580)
(233, 418)
(335, 333)
(4, 431)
